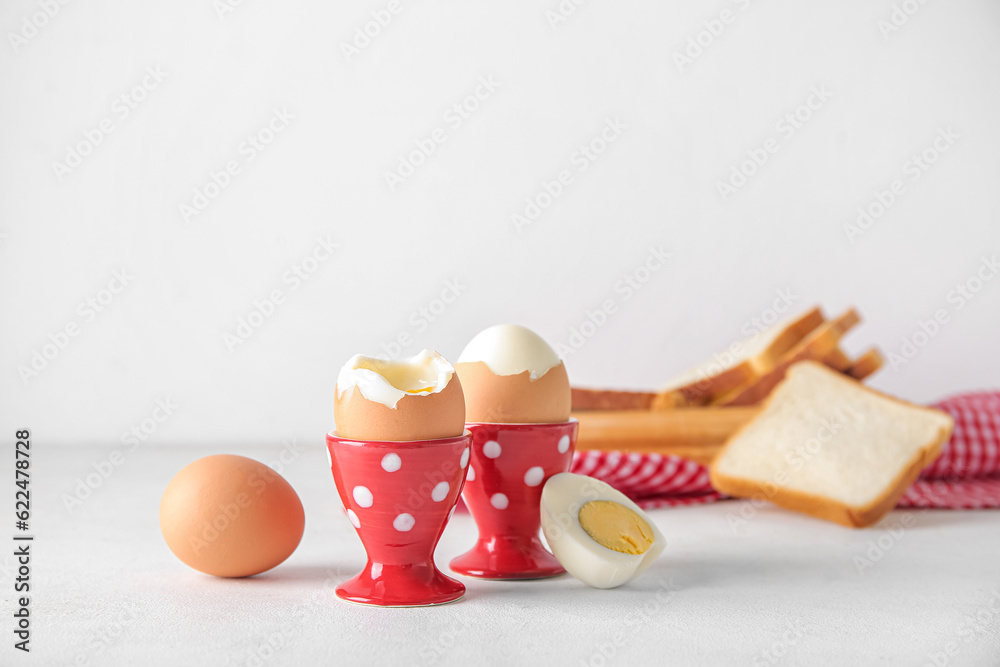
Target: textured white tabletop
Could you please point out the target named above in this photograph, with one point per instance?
(922, 588)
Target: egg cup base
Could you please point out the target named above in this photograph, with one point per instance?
(425, 586)
(523, 558)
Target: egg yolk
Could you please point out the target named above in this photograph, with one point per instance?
(616, 527)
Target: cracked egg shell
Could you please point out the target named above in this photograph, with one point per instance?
(415, 398)
(515, 399)
(511, 375)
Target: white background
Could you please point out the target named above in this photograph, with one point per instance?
(686, 127)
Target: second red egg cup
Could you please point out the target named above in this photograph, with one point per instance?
(503, 489)
(399, 496)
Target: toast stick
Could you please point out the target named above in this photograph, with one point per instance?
(694, 433)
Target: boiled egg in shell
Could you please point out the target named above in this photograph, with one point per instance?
(596, 532)
(413, 398)
(512, 375)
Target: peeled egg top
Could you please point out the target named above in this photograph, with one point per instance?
(509, 349)
(511, 375)
(596, 532)
(231, 516)
(414, 398)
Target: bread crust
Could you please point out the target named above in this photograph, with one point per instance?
(820, 506)
(867, 364)
(611, 399)
(838, 360)
(709, 389)
(816, 345)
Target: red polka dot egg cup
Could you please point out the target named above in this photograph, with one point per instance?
(399, 497)
(503, 489)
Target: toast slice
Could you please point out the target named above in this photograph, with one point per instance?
(826, 445)
(816, 345)
(739, 365)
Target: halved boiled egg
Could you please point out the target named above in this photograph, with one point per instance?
(415, 398)
(600, 536)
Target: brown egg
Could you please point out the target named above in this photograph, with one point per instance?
(419, 398)
(514, 399)
(231, 516)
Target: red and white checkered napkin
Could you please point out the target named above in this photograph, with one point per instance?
(965, 476)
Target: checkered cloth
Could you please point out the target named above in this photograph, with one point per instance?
(965, 476)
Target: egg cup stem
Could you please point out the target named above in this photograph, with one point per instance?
(510, 463)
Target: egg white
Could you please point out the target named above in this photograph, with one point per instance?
(582, 556)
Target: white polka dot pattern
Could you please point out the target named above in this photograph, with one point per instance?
(534, 476)
(563, 444)
(491, 449)
(440, 492)
(404, 522)
(355, 521)
(391, 462)
(363, 496)
(499, 501)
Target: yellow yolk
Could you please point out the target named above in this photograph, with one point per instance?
(616, 527)
(417, 391)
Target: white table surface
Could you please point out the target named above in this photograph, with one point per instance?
(779, 589)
